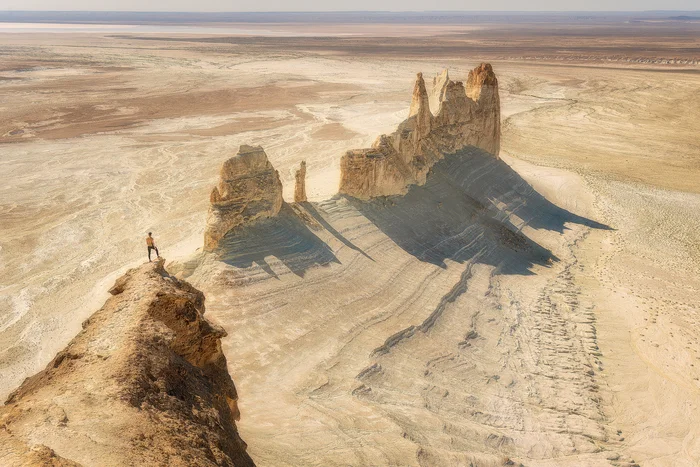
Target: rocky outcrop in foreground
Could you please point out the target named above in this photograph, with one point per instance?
(249, 189)
(144, 383)
(467, 116)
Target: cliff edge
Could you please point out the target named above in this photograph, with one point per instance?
(467, 116)
(144, 383)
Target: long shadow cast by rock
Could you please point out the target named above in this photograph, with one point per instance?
(462, 212)
(313, 212)
(285, 237)
(486, 179)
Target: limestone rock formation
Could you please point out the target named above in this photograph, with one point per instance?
(144, 383)
(300, 184)
(249, 189)
(437, 94)
(466, 117)
(482, 88)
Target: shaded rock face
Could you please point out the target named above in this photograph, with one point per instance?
(249, 189)
(466, 116)
(144, 383)
(300, 184)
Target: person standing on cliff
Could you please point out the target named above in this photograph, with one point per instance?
(150, 243)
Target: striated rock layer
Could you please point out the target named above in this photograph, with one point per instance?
(249, 188)
(144, 383)
(466, 117)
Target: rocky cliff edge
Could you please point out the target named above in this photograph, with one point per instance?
(144, 383)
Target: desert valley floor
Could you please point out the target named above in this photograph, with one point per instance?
(389, 332)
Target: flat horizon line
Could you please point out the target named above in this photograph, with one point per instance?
(348, 11)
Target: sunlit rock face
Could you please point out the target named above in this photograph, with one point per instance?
(144, 383)
(466, 116)
(249, 188)
(482, 88)
(300, 184)
(437, 94)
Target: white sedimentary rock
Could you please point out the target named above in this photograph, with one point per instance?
(300, 183)
(466, 117)
(249, 189)
(437, 94)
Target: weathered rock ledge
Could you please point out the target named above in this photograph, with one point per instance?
(144, 383)
(467, 116)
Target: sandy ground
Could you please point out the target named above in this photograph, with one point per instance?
(590, 360)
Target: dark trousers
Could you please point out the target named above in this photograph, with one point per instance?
(149, 252)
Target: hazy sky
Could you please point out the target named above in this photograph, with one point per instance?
(344, 5)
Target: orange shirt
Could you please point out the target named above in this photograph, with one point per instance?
(149, 241)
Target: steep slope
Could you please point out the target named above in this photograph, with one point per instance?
(144, 383)
(427, 315)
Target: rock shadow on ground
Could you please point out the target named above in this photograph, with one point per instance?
(285, 236)
(463, 212)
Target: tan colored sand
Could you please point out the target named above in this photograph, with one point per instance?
(127, 136)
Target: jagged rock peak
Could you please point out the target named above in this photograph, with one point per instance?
(420, 107)
(420, 97)
(481, 79)
(404, 157)
(437, 94)
(300, 184)
(249, 188)
(145, 382)
(482, 87)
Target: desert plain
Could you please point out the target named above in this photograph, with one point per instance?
(590, 356)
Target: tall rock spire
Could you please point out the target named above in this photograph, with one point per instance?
(420, 107)
(437, 95)
(249, 188)
(482, 87)
(482, 83)
(300, 185)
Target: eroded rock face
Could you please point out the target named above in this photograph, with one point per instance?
(249, 189)
(437, 94)
(144, 383)
(465, 117)
(300, 184)
(482, 88)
